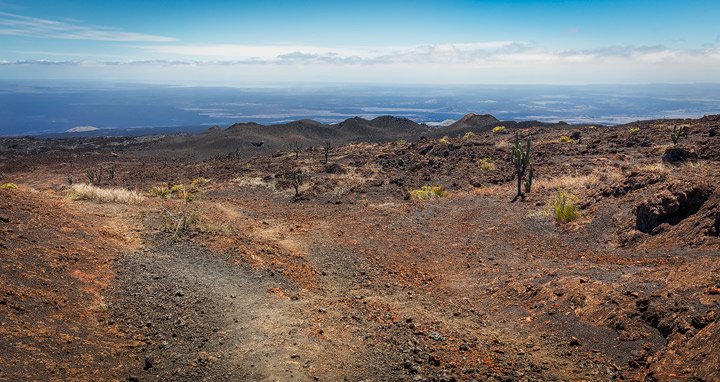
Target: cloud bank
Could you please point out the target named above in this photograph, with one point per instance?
(18, 25)
(504, 52)
(158, 58)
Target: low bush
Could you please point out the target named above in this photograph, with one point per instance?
(428, 193)
(563, 206)
(104, 195)
(181, 223)
(8, 186)
(566, 139)
(469, 135)
(199, 182)
(487, 164)
(634, 130)
(498, 129)
(445, 140)
(160, 192)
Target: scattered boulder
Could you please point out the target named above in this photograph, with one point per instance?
(670, 206)
(635, 180)
(678, 155)
(334, 168)
(715, 228)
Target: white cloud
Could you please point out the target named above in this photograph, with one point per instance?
(507, 52)
(81, 129)
(16, 25)
(501, 62)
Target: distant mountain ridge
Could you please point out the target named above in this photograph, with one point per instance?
(251, 137)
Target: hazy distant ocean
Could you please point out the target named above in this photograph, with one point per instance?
(35, 108)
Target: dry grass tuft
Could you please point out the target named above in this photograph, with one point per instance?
(105, 195)
(563, 207)
(8, 186)
(487, 164)
(658, 168)
(567, 182)
(428, 193)
(567, 139)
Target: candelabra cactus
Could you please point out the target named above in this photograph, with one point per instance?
(529, 180)
(326, 148)
(296, 147)
(677, 133)
(297, 182)
(521, 161)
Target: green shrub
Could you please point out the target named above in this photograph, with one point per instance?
(428, 193)
(199, 182)
(445, 140)
(160, 192)
(563, 206)
(469, 135)
(498, 129)
(634, 130)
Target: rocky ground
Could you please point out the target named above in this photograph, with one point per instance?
(352, 279)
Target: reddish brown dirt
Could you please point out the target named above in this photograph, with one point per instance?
(352, 280)
(54, 266)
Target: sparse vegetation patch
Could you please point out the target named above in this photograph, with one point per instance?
(428, 193)
(8, 186)
(105, 195)
(566, 139)
(487, 164)
(498, 129)
(563, 206)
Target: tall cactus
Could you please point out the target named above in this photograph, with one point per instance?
(297, 182)
(677, 133)
(529, 180)
(521, 161)
(326, 148)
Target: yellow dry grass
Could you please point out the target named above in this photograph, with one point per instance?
(105, 195)
(566, 182)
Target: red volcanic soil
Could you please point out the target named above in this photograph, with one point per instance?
(352, 279)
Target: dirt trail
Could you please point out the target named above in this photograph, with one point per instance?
(205, 318)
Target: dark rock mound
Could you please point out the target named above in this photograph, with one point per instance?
(303, 123)
(670, 206)
(213, 129)
(353, 123)
(576, 136)
(388, 121)
(715, 228)
(679, 155)
(634, 181)
(334, 168)
(474, 120)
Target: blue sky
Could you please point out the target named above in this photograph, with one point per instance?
(442, 42)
